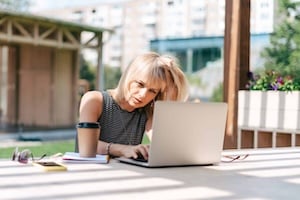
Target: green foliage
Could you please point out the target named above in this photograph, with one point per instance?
(49, 148)
(111, 77)
(15, 5)
(272, 80)
(217, 95)
(88, 72)
(283, 55)
(194, 79)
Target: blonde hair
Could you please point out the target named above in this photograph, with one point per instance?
(161, 70)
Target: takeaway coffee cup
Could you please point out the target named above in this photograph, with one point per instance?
(88, 136)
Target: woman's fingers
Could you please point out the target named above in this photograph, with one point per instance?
(141, 150)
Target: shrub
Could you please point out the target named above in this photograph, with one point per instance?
(271, 80)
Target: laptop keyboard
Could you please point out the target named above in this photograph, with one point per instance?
(140, 159)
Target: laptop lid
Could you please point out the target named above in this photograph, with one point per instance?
(186, 133)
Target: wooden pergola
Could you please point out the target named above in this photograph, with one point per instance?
(39, 69)
(236, 61)
(36, 30)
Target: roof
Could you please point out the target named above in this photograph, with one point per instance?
(43, 19)
(20, 27)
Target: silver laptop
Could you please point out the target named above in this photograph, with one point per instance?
(185, 133)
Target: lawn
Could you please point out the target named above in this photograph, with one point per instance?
(49, 148)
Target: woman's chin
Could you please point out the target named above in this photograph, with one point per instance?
(136, 104)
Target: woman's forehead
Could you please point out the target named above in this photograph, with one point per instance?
(152, 81)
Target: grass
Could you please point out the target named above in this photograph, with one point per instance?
(49, 148)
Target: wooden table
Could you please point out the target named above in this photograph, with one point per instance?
(264, 174)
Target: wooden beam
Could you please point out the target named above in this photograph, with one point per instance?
(100, 67)
(50, 35)
(71, 37)
(22, 29)
(236, 61)
(48, 32)
(48, 43)
(91, 40)
(245, 43)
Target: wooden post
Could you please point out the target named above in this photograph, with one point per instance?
(100, 67)
(236, 61)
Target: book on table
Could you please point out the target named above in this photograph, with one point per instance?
(73, 157)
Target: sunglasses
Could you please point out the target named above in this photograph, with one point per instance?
(233, 158)
(24, 156)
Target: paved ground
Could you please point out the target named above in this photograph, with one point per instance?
(34, 137)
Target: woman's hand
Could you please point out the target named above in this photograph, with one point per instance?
(128, 151)
(136, 151)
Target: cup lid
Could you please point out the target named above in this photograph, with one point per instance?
(88, 125)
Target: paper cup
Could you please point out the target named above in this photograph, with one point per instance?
(88, 136)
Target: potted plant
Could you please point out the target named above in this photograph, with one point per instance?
(271, 101)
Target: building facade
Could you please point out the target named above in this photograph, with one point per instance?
(137, 22)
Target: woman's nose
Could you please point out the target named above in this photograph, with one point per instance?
(143, 92)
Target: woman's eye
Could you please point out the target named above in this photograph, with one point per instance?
(153, 91)
(140, 84)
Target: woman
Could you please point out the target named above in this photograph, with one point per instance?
(125, 113)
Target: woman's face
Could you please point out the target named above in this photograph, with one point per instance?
(142, 92)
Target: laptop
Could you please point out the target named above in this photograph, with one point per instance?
(185, 134)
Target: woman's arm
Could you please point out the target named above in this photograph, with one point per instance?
(90, 107)
(90, 110)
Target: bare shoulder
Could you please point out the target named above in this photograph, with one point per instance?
(91, 106)
(92, 96)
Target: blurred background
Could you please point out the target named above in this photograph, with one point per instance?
(53, 51)
(191, 30)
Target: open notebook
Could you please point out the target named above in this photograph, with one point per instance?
(73, 157)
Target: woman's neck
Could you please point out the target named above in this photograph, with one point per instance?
(123, 104)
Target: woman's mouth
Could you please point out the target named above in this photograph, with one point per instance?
(136, 100)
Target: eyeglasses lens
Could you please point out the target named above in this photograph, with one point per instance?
(22, 156)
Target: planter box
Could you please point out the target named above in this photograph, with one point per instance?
(269, 109)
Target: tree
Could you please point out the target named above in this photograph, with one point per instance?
(88, 73)
(15, 5)
(111, 76)
(217, 95)
(283, 55)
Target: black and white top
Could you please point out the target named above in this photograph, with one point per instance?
(120, 126)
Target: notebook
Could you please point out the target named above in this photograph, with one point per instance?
(185, 133)
(73, 157)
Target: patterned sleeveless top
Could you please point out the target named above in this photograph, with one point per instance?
(120, 126)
